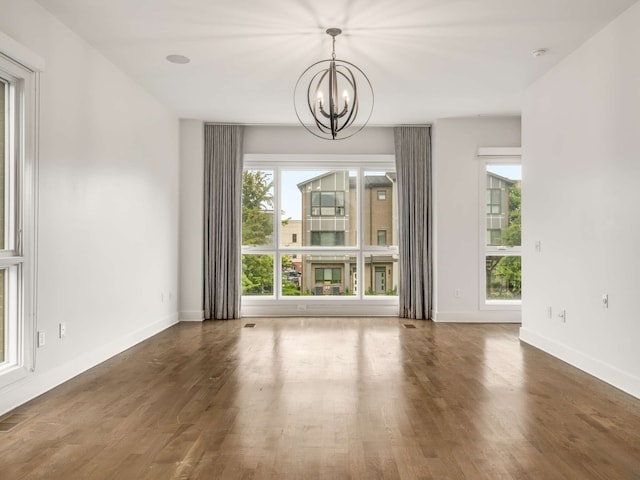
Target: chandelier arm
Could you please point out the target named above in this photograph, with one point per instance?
(319, 124)
(353, 112)
(352, 84)
(333, 81)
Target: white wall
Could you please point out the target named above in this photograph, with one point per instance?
(456, 171)
(296, 140)
(582, 167)
(191, 220)
(108, 200)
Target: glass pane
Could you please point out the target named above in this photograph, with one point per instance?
(503, 217)
(318, 275)
(257, 207)
(504, 278)
(3, 320)
(319, 207)
(381, 274)
(257, 275)
(379, 209)
(328, 199)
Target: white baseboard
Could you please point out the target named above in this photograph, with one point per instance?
(603, 371)
(480, 316)
(38, 383)
(197, 316)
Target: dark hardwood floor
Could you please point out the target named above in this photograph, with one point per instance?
(335, 398)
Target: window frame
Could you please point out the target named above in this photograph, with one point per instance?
(356, 304)
(21, 70)
(487, 157)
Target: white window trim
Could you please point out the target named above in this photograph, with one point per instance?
(318, 305)
(493, 156)
(24, 66)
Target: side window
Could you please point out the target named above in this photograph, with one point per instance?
(17, 200)
(501, 220)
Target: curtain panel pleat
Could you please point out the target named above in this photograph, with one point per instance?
(413, 168)
(222, 220)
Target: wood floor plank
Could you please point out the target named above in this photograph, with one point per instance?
(327, 398)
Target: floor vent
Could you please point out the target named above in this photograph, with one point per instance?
(408, 325)
(249, 325)
(9, 423)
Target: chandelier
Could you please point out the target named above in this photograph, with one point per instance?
(330, 95)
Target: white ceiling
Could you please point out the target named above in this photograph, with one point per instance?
(426, 59)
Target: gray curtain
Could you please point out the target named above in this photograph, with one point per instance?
(413, 167)
(222, 220)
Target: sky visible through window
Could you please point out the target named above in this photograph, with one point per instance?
(512, 172)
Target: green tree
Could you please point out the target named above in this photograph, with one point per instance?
(257, 207)
(257, 229)
(512, 235)
(509, 268)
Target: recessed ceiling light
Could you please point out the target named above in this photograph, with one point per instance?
(539, 52)
(178, 59)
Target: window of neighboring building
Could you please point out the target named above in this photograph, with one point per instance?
(382, 194)
(17, 218)
(494, 200)
(329, 204)
(328, 275)
(339, 228)
(494, 236)
(327, 239)
(501, 281)
(294, 238)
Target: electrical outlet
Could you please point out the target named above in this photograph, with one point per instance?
(457, 293)
(41, 339)
(538, 246)
(302, 306)
(62, 329)
(605, 300)
(563, 316)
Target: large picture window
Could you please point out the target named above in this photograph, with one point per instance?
(340, 222)
(501, 218)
